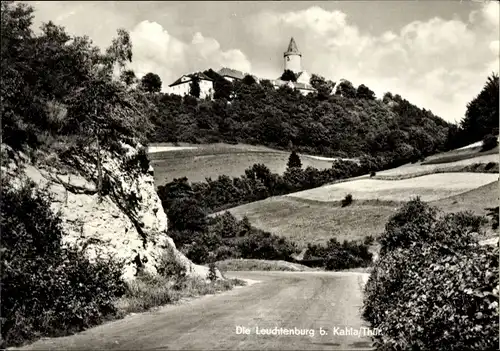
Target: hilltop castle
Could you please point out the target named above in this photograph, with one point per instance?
(292, 61)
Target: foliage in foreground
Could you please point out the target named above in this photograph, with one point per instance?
(58, 88)
(337, 256)
(148, 291)
(434, 287)
(48, 290)
(52, 290)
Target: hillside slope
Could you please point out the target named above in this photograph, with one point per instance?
(316, 215)
(200, 161)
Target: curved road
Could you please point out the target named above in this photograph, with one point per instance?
(289, 300)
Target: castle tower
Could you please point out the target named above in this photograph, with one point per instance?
(293, 57)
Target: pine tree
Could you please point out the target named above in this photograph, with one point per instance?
(294, 161)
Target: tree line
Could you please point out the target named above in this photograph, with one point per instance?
(259, 183)
(205, 239)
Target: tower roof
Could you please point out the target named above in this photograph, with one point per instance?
(292, 48)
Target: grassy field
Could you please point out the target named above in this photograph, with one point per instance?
(429, 188)
(461, 154)
(314, 216)
(197, 162)
(423, 168)
(475, 200)
(316, 222)
(260, 265)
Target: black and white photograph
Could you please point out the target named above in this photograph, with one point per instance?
(250, 175)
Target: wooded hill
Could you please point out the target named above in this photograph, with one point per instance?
(347, 123)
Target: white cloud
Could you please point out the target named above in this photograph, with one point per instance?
(494, 47)
(155, 50)
(491, 13)
(437, 64)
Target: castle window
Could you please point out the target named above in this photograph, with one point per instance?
(288, 58)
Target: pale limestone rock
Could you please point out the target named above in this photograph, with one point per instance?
(110, 228)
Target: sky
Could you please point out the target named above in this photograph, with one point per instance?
(436, 54)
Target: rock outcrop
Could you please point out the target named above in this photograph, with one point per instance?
(127, 222)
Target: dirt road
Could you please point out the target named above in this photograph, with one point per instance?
(297, 302)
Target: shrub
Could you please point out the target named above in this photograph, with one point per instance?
(347, 200)
(417, 222)
(48, 290)
(489, 142)
(368, 240)
(490, 165)
(337, 256)
(433, 287)
(422, 299)
(212, 272)
(405, 227)
(169, 267)
(493, 213)
(373, 174)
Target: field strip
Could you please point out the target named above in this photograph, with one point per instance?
(369, 202)
(154, 149)
(429, 188)
(419, 168)
(470, 146)
(451, 169)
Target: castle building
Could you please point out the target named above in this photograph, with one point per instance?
(182, 85)
(293, 58)
(292, 61)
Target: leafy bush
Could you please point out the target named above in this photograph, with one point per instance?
(368, 240)
(493, 213)
(48, 290)
(405, 227)
(171, 268)
(489, 142)
(428, 299)
(212, 271)
(337, 256)
(347, 200)
(433, 287)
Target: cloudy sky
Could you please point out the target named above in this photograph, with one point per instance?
(437, 54)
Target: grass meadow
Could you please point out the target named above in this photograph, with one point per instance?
(429, 187)
(197, 162)
(316, 215)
